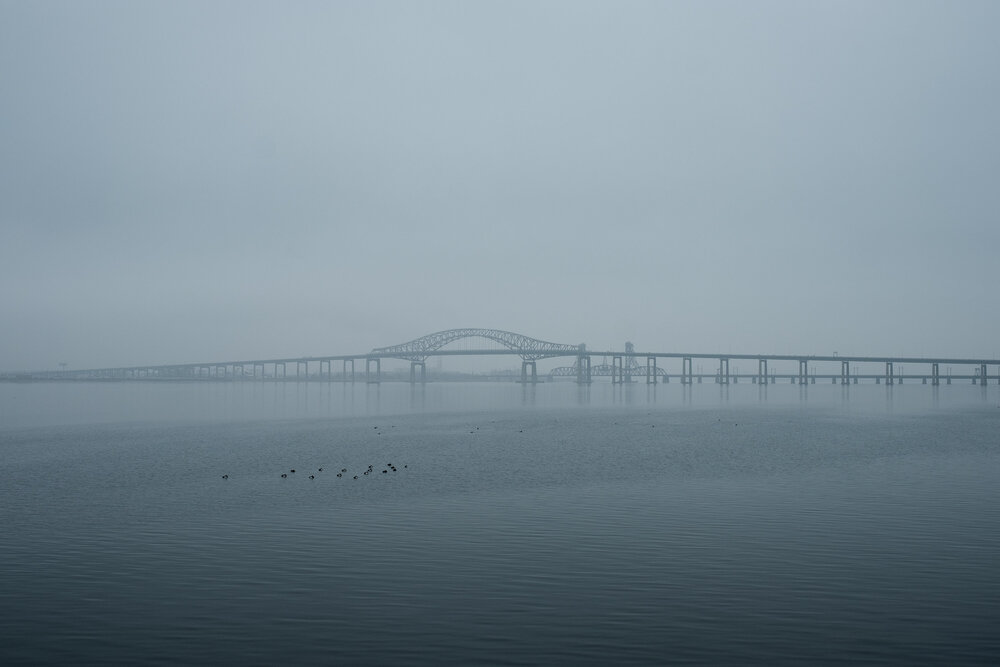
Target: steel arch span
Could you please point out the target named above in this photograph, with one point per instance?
(529, 348)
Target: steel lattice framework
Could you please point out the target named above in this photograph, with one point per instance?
(630, 367)
(530, 349)
(604, 370)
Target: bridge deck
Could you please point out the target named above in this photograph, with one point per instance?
(535, 354)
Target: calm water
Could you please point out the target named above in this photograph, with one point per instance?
(521, 525)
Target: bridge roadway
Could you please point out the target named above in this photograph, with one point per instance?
(237, 369)
(623, 367)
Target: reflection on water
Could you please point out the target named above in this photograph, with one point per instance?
(39, 404)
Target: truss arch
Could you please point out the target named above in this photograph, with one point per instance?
(529, 349)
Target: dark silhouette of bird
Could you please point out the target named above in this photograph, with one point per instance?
(321, 470)
(292, 470)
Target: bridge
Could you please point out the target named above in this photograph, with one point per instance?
(624, 367)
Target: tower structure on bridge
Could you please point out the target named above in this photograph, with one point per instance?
(621, 370)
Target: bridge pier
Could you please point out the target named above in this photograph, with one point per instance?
(298, 369)
(650, 370)
(583, 369)
(329, 369)
(629, 362)
(935, 376)
(413, 371)
(525, 365)
(368, 370)
(722, 377)
(845, 372)
(762, 371)
(803, 371)
(889, 373)
(982, 374)
(687, 374)
(617, 369)
(352, 370)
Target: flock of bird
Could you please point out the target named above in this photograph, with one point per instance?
(343, 471)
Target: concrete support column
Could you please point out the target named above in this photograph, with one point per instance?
(525, 365)
(687, 373)
(889, 373)
(723, 375)
(650, 370)
(982, 374)
(935, 375)
(845, 372)
(583, 369)
(617, 370)
(762, 371)
(803, 371)
(368, 370)
(414, 365)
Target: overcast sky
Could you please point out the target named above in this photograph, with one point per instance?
(199, 181)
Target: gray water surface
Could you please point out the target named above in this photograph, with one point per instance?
(521, 525)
